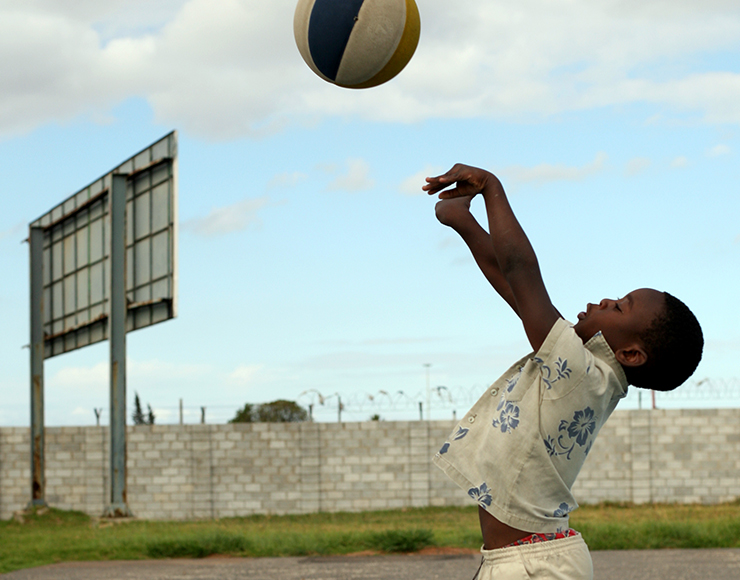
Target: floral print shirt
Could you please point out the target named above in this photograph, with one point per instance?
(518, 451)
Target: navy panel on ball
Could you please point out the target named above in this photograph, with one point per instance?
(329, 28)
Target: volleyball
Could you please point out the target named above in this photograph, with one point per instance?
(357, 43)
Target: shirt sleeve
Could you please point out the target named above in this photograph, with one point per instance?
(562, 360)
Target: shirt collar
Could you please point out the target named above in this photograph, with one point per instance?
(601, 349)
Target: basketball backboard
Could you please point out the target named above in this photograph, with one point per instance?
(103, 263)
(76, 252)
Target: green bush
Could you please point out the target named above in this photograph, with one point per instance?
(197, 546)
(402, 540)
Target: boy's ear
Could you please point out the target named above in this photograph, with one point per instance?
(632, 356)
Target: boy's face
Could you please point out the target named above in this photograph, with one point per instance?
(621, 321)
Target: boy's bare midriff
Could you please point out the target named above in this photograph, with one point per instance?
(497, 534)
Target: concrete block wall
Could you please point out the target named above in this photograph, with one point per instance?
(212, 471)
(671, 456)
(76, 468)
(15, 469)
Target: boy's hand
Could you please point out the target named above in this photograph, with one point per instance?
(469, 181)
(454, 212)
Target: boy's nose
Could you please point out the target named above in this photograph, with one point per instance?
(604, 303)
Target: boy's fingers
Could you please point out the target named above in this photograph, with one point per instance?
(465, 180)
(449, 177)
(450, 193)
(458, 174)
(435, 184)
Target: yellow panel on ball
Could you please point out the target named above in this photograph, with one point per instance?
(357, 43)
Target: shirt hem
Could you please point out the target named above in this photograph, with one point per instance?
(513, 520)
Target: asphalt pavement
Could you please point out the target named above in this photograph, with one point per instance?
(710, 564)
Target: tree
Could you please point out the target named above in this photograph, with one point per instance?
(244, 415)
(138, 415)
(280, 411)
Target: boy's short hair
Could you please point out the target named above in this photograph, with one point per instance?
(674, 344)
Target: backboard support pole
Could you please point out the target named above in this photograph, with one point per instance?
(118, 506)
(38, 477)
(103, 263)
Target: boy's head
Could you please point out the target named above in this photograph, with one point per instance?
(654, 336)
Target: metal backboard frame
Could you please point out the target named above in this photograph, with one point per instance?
(76, 252)
(103, 263)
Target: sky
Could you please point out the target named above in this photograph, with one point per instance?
(311, 266)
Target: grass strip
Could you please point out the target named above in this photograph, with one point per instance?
(57, 536)
(404, 541)
(198, 546)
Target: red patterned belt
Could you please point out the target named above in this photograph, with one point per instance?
(537, 538)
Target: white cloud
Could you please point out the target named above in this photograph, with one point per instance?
(637, 165)
(97, 377)
(718, 151)
(327, 167)
(680, 161)
(451, 242)
(229, 68)
(545, 172)
(231, 218)
(14, 231)
(157, 370)
(412, 184)
(285, 180)
(244, 374)
(89, 11)
(94, 379)
(356, 178)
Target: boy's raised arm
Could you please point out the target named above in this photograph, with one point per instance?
(455, 213)
(514, 254)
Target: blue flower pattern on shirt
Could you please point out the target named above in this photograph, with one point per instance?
(563, 510)
(562, 371)
(551, 446)
(481, 494)
(581, 427)
(511, 382)
(461, 433)
(508, 419)
(575, 432)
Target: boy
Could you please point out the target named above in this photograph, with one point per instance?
(518, 451)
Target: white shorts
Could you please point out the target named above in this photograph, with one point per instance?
(564, 559)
